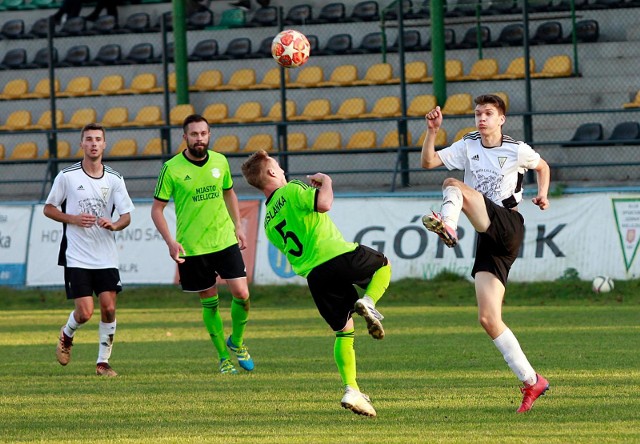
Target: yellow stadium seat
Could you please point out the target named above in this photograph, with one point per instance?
(414, 72)
(147, 116)
(388, 106)
(216, 112)
(458, 104)
(124, 147)
(24, 150)
(482, 69)
(153, 147)
(453, 70)
(328, 140)
(141, 84)
(77, 87)
(296, 141)
(275, 113)
(240, 79)
(246, 112)
(460, 134)
(315, 109)
(376, 74)
(207, 81)
(180, 112)
(114, 117)
(1, 151)
(555, 66)
(392, 140)
(64, 150)
(360, 140)
(44, 121)
(41, 89)
(259, 142)
(17, 120)
(80, 118)
(516, 70)
(228, 143)
(343, 75)
(308, 77)
(171, 79)
(271, 79)
(109, 85)
(14, 89)
(421, 105)
(441, 138)
(351, 108)
(635, 103)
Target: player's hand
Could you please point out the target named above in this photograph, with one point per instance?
(107, 224)
(316, 179)
(85, 220)
(175, 249)
(434, 118)
(242, 240)
(541, 201)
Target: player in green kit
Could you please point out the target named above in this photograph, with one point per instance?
(209, 236)
(297, 224)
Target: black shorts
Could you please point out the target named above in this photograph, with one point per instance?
(498, 248)
(332, 283)
(79, 282)
(199, 273)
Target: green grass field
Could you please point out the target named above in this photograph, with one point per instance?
(436, 377)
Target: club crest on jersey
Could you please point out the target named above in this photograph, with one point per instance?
(502, 160)
(215, 173)
(105, 192)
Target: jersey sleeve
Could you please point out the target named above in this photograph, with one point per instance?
(454, 157)
(527, 157)
(164, 186)
(58, 192)
(227, 182)
(121, 198)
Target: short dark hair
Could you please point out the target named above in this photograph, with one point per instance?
(90, 127)
(191, 119)
(492, 99)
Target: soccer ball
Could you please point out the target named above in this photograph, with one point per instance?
(602, 284)
(290, 48)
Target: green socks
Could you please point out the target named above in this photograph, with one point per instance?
(379, 283)
(239, 317)
(345, 357)
(213, 323)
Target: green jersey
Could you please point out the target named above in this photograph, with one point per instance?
(203, 224)
(306, 237)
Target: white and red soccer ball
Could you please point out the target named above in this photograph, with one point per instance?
(602, 284)
(290, 48)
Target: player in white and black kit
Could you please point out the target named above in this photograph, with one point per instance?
(84, 197)
(494, 166)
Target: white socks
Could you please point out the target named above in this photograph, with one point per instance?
(451, 206)
(72, 326)
(106, 332)
(513, 354)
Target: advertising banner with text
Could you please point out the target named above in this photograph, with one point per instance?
(144, 257)
(596, 234)
(14, 236)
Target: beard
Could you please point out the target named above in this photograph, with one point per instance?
(198, 151)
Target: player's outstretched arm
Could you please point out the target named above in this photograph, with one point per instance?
(428, 158)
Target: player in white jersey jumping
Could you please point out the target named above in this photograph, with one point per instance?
(84, 197)
(494, 165)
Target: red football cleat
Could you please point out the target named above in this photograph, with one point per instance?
(533, 392)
